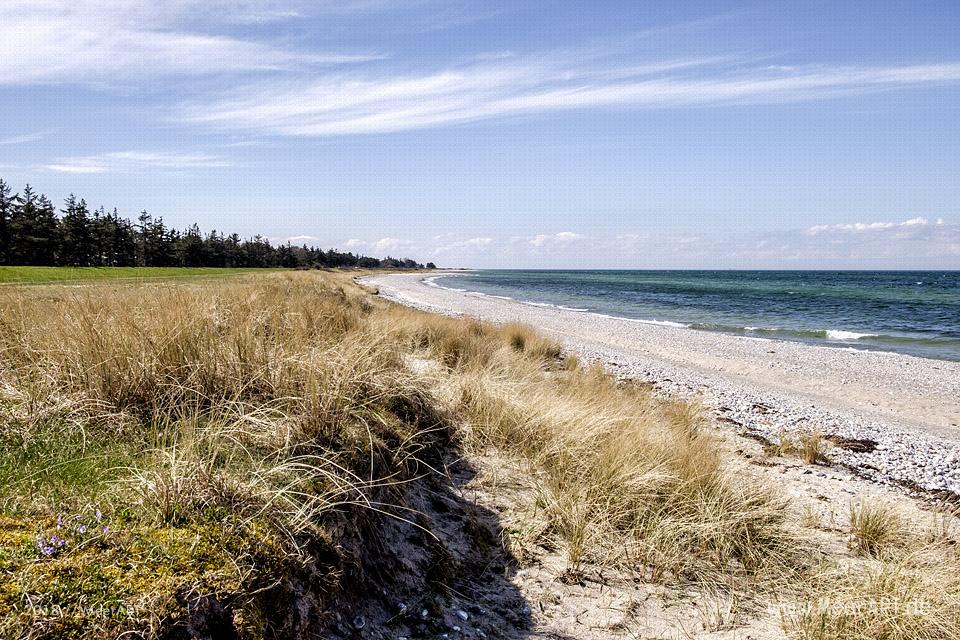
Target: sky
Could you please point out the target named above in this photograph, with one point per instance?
(511, 134)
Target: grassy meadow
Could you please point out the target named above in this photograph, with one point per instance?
(230, 456)
(41, 275)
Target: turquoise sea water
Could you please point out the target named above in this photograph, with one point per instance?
(915, 312)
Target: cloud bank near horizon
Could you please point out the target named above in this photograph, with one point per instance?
(859, 245)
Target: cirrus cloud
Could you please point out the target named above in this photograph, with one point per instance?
(363, 103)
(102, 42)
(136, 160)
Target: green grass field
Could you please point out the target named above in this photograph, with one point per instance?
(31, 275)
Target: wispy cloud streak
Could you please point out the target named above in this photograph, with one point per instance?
(87, 41)
(348, 104)
(136, 160)
(23, 139)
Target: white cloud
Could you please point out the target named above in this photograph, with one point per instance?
(301, 239)
(84, 41)
(398, 247)
(564, 238)
(448, 245)
(344, 104)
(384, 245)
(870, 226)
(30, 137)
(136, 160)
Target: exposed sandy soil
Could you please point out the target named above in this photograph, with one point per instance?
(617, 603)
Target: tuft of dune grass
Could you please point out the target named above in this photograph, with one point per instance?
(912, 597)
(627, 479)
(876, 528)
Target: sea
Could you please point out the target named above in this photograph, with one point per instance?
(912, 312)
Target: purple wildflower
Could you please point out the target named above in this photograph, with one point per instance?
(59, 522)
(99, 516)
(82, 528)
(45, 547)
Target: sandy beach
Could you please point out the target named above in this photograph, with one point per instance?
(904, 411)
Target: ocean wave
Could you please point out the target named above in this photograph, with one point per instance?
(432, 282)
(838, 334)
(477, 294)
(822, 334)
(549, 305)
(659, 323)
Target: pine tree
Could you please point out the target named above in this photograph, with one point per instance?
(7, 205)
(189, 248)
(144, 220)
(46, 227)
(33, 230)
(31, 234)
(76, 238)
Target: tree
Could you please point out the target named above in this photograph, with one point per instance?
(430, 265)
(76, 239)
(7, 205)
(33, 230)
(189, 248)
(155, 242)
(114, 240)
(31, 234)
(233, 254)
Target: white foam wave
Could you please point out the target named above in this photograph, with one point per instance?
(659, 323)
(477, 294)
(549, 305)
(836, 334)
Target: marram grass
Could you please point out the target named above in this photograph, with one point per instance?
(219, 440)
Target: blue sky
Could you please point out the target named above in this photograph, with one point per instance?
(505, 134)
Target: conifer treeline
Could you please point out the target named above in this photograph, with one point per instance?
(31, 233)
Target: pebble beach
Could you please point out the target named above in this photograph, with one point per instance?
(892, 418)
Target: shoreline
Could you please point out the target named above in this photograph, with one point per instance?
(899, 412)
(833, 338)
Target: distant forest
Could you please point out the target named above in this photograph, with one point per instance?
(33, 234)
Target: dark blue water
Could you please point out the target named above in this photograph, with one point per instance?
(915, 312)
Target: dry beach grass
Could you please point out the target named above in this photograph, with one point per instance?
(191, 459)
